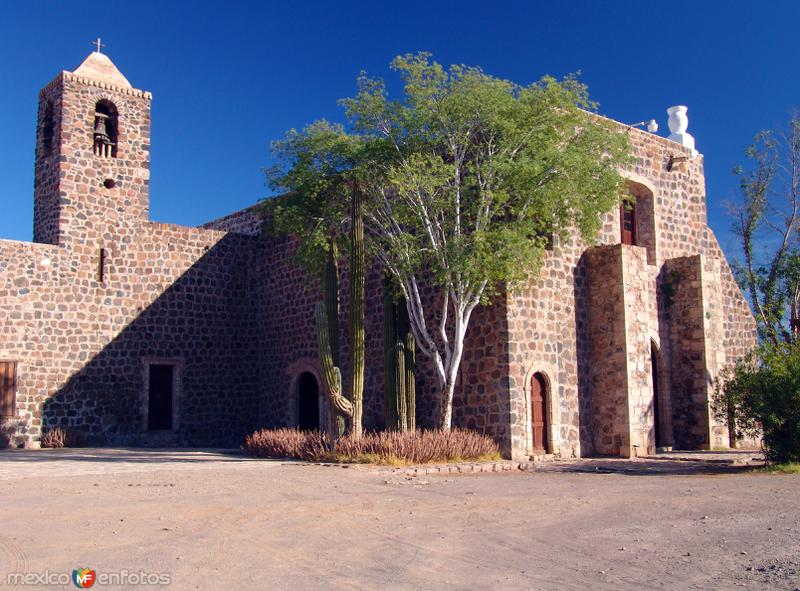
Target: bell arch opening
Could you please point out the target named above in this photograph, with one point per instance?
(106, 129)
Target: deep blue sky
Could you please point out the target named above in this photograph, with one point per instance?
(230, 77)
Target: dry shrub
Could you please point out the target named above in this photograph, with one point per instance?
(61, 437)
(390, 447)
(286, 443)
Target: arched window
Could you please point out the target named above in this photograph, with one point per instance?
(637, 219)
(627, 216)
(106, 129)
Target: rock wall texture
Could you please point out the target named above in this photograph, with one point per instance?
(83, 336)
(627, 338)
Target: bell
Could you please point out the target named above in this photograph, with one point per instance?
(100, 133)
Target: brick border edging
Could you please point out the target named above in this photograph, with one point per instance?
(463, 468)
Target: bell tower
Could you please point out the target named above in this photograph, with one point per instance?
(92, 170)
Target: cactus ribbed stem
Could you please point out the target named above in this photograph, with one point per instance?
(331, 375)
(404, 334)
(331, 293)
(357, 263)
(410, 381)
(389, 355)
(400, 372)
(330, 286)
(399, 350)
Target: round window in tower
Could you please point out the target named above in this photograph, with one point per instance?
(109, 183)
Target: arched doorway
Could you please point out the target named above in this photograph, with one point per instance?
(307, 402)
(654, 373)
(539, 416)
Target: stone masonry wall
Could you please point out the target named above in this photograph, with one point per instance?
(608, 363)
(638, 288)
(175, 295)
(554, 312)
(82, 338)
(696, 331)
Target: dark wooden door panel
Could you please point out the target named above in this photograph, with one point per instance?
(539, 413)
(8, 379)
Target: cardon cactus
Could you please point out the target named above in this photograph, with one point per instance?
(330, 286)
(405, 334)
(357, 263)
(399, 363)
(400, 372)
(410, 381)
(331, 375)
(389, 357)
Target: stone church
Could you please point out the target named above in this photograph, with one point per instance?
(134, 332)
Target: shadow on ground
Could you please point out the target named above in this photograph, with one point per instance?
(117, 455)
(645, 467)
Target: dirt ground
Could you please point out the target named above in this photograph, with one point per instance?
(214, 521)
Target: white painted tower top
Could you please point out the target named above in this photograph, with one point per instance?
(99, 67)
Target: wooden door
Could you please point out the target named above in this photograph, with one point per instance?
(8, 383)
(627, 216)
(539, 413)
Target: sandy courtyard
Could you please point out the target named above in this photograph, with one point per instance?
(214, 521)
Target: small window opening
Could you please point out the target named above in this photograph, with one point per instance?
(109, 183)
(101, 266)
(47, 128)
(8, 388)
(105, 129)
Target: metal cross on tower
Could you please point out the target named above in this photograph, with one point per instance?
(98, 43)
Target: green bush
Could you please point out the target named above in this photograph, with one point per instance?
(391, 447)
(760, 396)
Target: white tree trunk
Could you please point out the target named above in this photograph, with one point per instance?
(447, 353)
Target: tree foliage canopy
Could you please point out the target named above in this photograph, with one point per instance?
(760, 395)
(466, 178)
(767, 221)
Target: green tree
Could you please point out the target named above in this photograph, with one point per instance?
(320, 176)
(465, 179)
(767, 225)
(760, 397)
